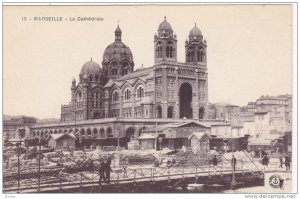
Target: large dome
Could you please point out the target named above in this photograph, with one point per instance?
(117, 50)
(90, 68)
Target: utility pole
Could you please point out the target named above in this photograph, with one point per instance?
(233, 181)
(39, 168)
(156, 112)
(19, 151)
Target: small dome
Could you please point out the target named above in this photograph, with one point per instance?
(90, 68)
(118, 29)
(165, 26)
(195, 33)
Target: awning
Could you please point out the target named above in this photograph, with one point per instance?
(146, 137)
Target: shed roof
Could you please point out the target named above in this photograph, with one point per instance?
(146, 136)
(58, 136)
(199, 135)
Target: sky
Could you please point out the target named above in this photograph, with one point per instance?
(249, 53)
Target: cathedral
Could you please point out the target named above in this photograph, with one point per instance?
(168, 89)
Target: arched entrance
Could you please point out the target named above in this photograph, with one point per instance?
(185, 100)
(201, 113)
(109, 133)
(130, 133)
(170, 112)
(159, 111)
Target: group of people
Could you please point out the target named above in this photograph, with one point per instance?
(286, 162)
(104, 171)
(233, 161)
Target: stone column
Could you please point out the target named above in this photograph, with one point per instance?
(196, 97)
(164, 91)
(177, 105)
(85, 97)
(121, 105)
(133, 103)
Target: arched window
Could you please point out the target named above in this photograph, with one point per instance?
(190, 54)
(78, 95)
(158, 112)
(114, 71)
(95, 132)
(125, 69)
(115, 96)
(198, 56)
(158, 50)
(109, 132)
(140, 92)
(89, 133)
(170, 112)
(169, 50)
(201, 113)
(97, 78)
(102, 133)
(127, 94)
(201, 56)
(91, 78)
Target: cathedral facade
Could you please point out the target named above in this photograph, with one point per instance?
(168, 89)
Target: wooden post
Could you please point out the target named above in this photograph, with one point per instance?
(118, 178)
(221, 171)
(242, 162)
(208, 166)
(39, 168)
(80, 181)
(169, 179)
(60, 182)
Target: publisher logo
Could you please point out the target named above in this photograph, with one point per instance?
(276, 181)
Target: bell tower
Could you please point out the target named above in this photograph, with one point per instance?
(165, 43)
(195, 47)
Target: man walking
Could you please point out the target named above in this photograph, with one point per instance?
(233, 162)
(287, 162)
(107, 169)
(101, 172)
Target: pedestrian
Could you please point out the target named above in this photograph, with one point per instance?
(287, 163)
(233, 162)
(107, 169)
(101, 172)
(173, 162)
(265, 161)
(281, 161)
(215, 161)
(125, 171)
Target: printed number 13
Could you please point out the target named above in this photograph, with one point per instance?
(24, 18)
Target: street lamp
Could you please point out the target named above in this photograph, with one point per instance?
(156, 114)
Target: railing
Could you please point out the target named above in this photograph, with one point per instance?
(30, 179)
(60, 180)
